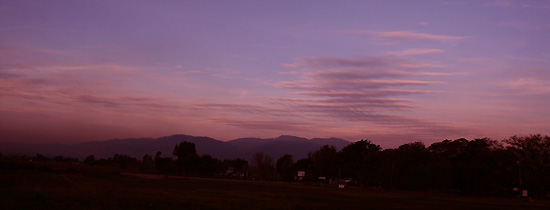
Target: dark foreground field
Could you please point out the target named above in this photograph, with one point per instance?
(34, 189)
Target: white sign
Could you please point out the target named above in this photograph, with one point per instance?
(524, 193)
(322, 178)
(301, 173)
(340, 186)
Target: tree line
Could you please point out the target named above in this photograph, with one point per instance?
(468, 167)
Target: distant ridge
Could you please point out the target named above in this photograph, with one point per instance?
(138, 147)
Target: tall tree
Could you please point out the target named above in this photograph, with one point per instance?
(284, 167)
(326, 162)
(184, 150)
(357, 161)
(533, 155)
(306, 165)
(90, 160)
(411, 166)
(263, 164)
(188, 160)
(164, 164)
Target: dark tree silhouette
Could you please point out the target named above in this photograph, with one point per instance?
(263, 165)
(284, 168)
(188, 160)
(184, 150)
(306, 165)
(124, 161)
(147, 163)
(409, 167)
(358, 161)
(164, 165)
(90, 160)
(236, 167)
(477, 167)
(40, 157)
(533, 156)
(326, 162)
(207, 165)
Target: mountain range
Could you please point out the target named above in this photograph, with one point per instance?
(242, 148)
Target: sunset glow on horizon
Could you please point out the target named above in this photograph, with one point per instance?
(392, 72)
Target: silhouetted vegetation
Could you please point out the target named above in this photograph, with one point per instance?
(262, 166)
(469, 167)
(284, 168)
(480, 167)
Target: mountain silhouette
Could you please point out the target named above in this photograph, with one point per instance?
(242, 148)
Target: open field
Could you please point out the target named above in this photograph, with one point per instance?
(35, 189)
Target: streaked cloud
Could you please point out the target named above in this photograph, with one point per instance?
(528, 86)
(334, 62)
(125, 102)
(358, 74)
(537, 4)
(365, 88)
(393, 37)
(241, 108)
(524, 25)
(214, 69)
(500, 3)
(418, 51)
(391, 59)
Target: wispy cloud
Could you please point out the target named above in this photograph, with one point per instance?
(524, 25)
(125, 102)
(418, 51)
(393, 37)
(365, 88)
(354, 84)
(366, 93)
(8, 75)
(390, 59)
(500, 3)
(365, 74)
(537, 4)
(241, 108)
(92, 86)
(528, 86)
(335, 62)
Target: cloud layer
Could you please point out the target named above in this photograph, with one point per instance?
(394, 37)
(372, 89)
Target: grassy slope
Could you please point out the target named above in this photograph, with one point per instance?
(31, 189)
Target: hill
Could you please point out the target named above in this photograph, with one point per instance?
(138, 147)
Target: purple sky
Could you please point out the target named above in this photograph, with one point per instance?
(389, 71)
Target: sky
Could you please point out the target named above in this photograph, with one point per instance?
(392, 72)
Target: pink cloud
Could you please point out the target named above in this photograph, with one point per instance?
(538, 5)
(363, 74)
(500, 3)
(332, 62)
(362, 101)
(524, 25)
(393, 37)
(417, 51)
(367, 93)
(528, 86)
(366, 88)
(399, 59)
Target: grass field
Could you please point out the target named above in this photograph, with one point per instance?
(36, 189)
